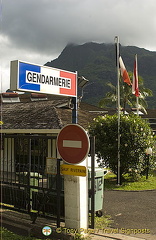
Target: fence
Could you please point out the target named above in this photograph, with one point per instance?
(25, 183)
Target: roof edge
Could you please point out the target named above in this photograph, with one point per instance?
(41, 131)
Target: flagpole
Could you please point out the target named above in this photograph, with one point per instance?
(118, 105)
(135, 87)
(137, 105)
(137, 98)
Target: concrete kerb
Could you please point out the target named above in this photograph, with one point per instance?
(114, 237)
(147, 190)
(122, 237)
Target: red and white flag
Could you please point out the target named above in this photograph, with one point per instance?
(124, 72)
(135, 85)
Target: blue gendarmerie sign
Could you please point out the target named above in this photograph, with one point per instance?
(29, 77)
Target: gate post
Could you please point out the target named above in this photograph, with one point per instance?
(58, 189)
(29, 194)
(76, 200)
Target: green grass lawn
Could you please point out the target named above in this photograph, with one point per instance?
(7, 235)
(110, 183)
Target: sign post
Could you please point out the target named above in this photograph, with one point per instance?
(73, 147)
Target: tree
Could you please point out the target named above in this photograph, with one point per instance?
(126, 96)
(136, 137)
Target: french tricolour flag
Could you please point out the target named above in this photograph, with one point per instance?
(124, 72)
(135, 85)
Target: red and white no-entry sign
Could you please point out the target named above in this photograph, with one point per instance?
(73, 144)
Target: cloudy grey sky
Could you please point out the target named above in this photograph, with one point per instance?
(38, 30)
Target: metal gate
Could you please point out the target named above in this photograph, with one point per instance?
(25, 179)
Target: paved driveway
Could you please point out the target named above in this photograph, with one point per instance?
(131, 210)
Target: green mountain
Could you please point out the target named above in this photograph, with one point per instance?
(97, 63)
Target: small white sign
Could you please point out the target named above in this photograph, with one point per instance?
(51, 165)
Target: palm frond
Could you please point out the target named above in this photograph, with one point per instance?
(126, 96)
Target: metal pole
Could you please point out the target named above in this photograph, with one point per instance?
(137, 102)
(74, 110)
(58, 189)
(148, 160)
(92, 147)
(137, 98)
(28, 177)
(118, 105)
